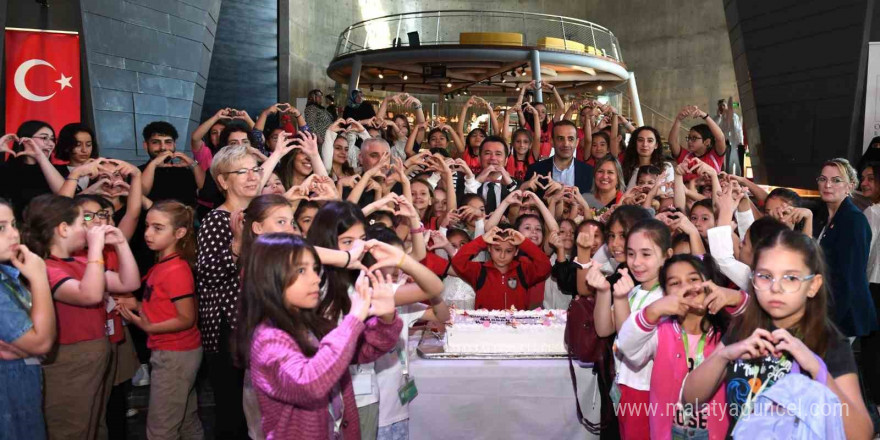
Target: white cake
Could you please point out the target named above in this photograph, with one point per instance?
(506, 331)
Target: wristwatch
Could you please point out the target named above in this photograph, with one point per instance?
(192, 166)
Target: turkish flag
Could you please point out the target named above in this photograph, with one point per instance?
(42, 78)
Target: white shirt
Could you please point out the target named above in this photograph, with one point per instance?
(734, 132)
(554, 299)
(872, 213)
(364, 372)
(353, 151)
(566, 176)
(638, 378)
(389, 369)
(721, 248)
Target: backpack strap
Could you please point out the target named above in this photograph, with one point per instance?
(481, 278)
(522, 277)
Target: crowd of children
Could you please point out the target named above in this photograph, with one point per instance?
(285, 267)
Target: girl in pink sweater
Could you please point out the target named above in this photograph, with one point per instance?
(297, 358)
(678, 331)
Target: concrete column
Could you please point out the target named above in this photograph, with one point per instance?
(355, 79)
(634, 92)
(536, 74)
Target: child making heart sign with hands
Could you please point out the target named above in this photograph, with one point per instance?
(648, 245)
(786, 321)
(54, 228)
(298, 358)
(502, 281)
(677, 332)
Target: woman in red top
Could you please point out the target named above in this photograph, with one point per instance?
(168, 316)
(54, 229)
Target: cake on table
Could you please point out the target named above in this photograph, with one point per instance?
(527, 332)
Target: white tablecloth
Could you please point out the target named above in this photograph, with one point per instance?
(506, 399)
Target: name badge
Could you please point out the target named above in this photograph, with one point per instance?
(511, 282)
(408, 391)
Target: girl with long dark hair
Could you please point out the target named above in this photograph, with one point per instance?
(297, 356)
(785, 322)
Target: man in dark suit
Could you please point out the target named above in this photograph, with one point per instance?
(562, 167)
(494, 183)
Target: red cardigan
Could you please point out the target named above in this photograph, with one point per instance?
(502, 290)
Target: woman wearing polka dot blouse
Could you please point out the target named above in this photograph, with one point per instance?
(238, 175)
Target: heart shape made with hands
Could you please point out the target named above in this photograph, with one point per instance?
(504, 235)
(692, 164)
(542, 181)
(13, 153)
(284, 107)
(516, 198)
(117, 188)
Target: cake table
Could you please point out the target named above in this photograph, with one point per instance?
(499, 398)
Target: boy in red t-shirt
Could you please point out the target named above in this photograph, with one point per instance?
(705, 141)
(503, 281)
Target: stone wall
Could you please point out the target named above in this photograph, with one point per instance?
(678, 49)
(148, 60)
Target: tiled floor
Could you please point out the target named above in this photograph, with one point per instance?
(139, 399)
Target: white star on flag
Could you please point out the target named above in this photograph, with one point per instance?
(64, 81)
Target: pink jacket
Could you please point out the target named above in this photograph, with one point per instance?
(294, 390)
(641, 341)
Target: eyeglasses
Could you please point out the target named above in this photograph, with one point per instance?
(788, 283)
(45, 138)
(693, 138)
(89, 216)
(244, 171)
(822, 180)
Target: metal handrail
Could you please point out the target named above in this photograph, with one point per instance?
(654, 113)
(440, 27)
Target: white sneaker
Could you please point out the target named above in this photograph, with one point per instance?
(142, 376)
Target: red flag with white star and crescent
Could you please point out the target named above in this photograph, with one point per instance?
(42, 78)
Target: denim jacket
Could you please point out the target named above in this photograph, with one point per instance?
(15, 300)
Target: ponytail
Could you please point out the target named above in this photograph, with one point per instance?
(182, 216)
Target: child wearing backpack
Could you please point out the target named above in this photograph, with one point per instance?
(167, 315)
(504, 280)
(677, 332)
(785, 323)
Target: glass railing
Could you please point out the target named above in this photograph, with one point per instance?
(439, 28)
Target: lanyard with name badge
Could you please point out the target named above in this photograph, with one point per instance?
(698, 359)
(642, 301)
(408, 391)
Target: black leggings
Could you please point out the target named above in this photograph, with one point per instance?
(227, 383)
(869, 358)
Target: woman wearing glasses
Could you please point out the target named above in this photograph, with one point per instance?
(238, 177)
(27, 172)
(845, 240)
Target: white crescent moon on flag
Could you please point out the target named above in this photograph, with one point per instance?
(20, 85)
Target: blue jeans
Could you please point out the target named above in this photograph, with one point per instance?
(21, 401)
